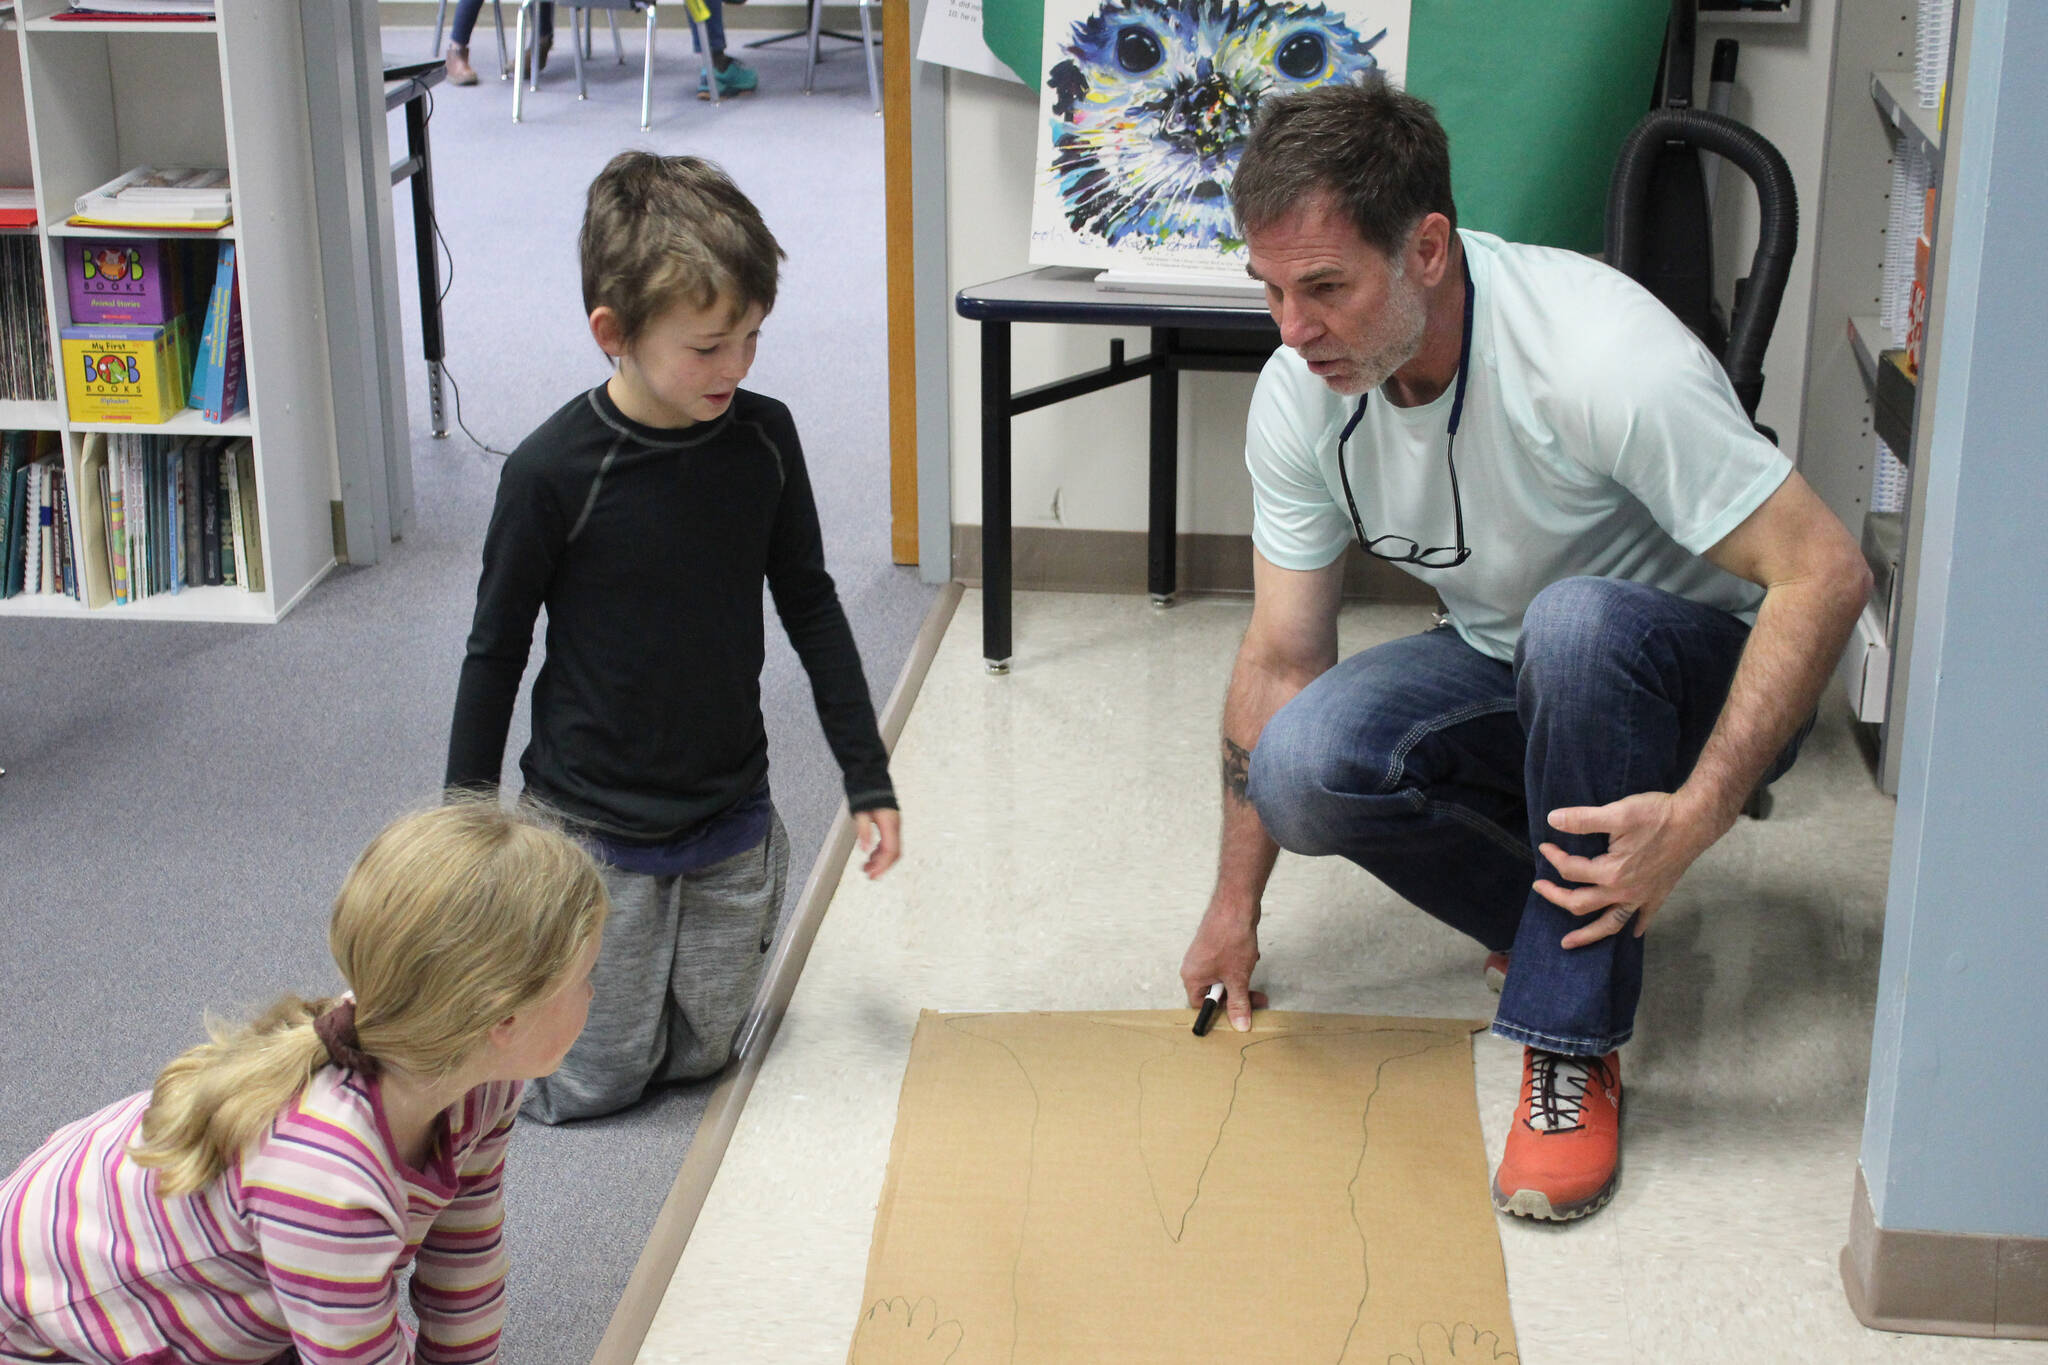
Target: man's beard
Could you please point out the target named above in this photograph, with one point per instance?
(1406, 321)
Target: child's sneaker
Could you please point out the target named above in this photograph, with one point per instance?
(735, 78)
(1564, 1146)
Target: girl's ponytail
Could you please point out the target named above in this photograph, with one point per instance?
(218, 1097)
(450, 921)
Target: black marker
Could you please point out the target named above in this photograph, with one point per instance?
(1209, 1004)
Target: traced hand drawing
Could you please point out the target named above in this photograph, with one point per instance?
(898, 1332)
(1462, 1345)
(1096, 1187)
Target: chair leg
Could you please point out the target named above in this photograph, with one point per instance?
(618, 48)
(498, 22)
(440, 18)
(646, 75)
(519, 45)
(867, 47)
(811, 46)
(576, 18)
(704, 62)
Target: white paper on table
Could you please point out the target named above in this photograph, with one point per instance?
(952, 37)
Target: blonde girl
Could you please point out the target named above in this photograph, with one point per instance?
(262, 1202)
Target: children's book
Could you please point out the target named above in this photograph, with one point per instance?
(124, 281)
(231, 475)
(126, 374)
(17, 207)
(209, 517)
(189, 455)
(13, 493)
(117, 521)
(175, 197)
(217, 388)
(249, 531)
(60, 515)
(96, 567)
(33, 577)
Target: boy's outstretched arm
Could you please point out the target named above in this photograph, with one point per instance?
(808, 603)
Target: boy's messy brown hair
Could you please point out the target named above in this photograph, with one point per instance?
(665, 230)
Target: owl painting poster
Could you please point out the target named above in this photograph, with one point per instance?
(1147, 104)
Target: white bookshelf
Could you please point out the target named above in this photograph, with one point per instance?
(80, 104)
(1873, 112)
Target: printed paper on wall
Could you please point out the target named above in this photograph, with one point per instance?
(1147, 104)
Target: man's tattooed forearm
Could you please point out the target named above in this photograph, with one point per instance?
(1237, 768)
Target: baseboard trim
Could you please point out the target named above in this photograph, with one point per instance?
(1061, 559)
(656, 1267)
(1943, 1284)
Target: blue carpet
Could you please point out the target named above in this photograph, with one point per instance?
(181, 801)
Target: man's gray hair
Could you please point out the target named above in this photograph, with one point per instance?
(1377, 152)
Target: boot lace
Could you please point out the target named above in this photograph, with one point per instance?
(1557, 1089)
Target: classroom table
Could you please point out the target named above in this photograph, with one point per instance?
(1188, 332)
(408, 86)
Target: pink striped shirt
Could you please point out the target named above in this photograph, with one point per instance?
(300, 1242)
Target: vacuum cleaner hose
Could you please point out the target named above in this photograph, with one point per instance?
(1777, 226)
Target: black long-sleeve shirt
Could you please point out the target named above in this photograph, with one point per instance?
(648, 547)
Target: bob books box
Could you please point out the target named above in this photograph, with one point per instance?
(124, 282)
(126, 374)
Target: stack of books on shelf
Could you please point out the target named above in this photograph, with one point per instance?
(150, 515)
(36, 541)
(17, 206)
(165, 513)
(156, 327)
(24, 336)
(181, 197)
(86, 10)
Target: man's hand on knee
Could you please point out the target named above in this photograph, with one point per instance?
(1652, 839)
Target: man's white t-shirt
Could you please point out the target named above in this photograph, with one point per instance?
(1599, 437)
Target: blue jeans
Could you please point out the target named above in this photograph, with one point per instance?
(466, 12)
(1433, 767)
(714, 29)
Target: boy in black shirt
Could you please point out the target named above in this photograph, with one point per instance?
(644, 516)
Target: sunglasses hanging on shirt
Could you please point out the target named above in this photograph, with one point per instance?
(1389, 547)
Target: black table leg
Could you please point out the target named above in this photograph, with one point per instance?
(431, 342)
(995, 496)
(1164, 521)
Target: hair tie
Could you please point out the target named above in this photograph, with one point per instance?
(337, 1029)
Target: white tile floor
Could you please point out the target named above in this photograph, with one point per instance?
(1061, 832)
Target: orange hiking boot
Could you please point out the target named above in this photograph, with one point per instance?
(1564, 1146)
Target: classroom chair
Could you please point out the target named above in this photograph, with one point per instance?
(868, 41)
(579, 37)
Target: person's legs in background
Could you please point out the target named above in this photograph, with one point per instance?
(460, 71)
(734, 77)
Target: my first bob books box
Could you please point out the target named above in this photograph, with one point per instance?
(126, 374)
